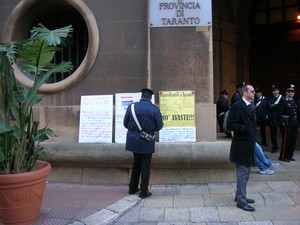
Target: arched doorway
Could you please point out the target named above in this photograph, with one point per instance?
(275, 44)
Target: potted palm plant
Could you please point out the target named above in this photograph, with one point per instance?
(20, 135)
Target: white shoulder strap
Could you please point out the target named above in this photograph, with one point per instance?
(134, 117)
(278, 99)
(257, 104)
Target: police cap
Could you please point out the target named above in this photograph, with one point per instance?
(240, 85)
(291, 87)
(275, 87)
(224, 92)
(147, 90)
(258, 90)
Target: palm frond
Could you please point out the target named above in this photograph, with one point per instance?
(51, 37)
(36, 57)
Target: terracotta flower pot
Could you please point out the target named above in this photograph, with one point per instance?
(21, 195)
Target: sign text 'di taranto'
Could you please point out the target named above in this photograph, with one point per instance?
(170, 13)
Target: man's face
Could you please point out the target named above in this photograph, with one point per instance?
(258, 94)
(249, 94)
(290, 94)
(225, 96)
(276, 92)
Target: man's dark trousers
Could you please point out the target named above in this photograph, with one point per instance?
(242, 174)
(141, 166)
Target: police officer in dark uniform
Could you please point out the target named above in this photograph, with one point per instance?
(150, 119)
(222, 107)
(260, 104)
(237, 95)
(290, 119)
(274, 104)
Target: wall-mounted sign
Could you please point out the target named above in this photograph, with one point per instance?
(123, 100)
(178, 112)
(96, 118)
(179, 13)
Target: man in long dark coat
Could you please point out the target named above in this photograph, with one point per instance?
(241, 120)
(150, 120)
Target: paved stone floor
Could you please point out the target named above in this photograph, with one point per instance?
(277, 202)
(64, 203)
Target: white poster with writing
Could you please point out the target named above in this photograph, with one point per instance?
(96, 119)
(123, 100)
(180, 13)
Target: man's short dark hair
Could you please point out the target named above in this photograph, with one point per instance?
(147, 93)
(244, 88)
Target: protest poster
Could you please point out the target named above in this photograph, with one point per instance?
(178, 111)
(96, 119)
(123, 100)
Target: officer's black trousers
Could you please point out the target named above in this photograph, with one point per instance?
(289, 143)
(141, 168)
(273, 131)
(262, 127)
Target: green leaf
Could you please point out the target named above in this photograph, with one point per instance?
(6, 145)
(36, 99)
(36, 57)
(62, 67)
(4, 128)
(2, 157)
(51, 37)
(42, 134)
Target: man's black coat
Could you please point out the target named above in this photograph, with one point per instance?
(243, 123)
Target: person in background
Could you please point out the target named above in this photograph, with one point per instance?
(222, 107)
(241, 120)
(260, 104)
(237, 95)
(275, 104)
(290, 119)
(150, 119)
(264, 165)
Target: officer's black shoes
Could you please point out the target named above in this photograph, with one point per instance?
(284, 160)
(132, 192)
(145, 195)
(274, 150)
(246, 208)
(292, 159)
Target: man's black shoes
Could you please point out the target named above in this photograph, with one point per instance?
(132, 192)
(145, 195)
(246, 208)
(249, 200)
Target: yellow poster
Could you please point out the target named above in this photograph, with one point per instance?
(178, 111)
(177, 108)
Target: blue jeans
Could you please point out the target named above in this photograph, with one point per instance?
(260, 159)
